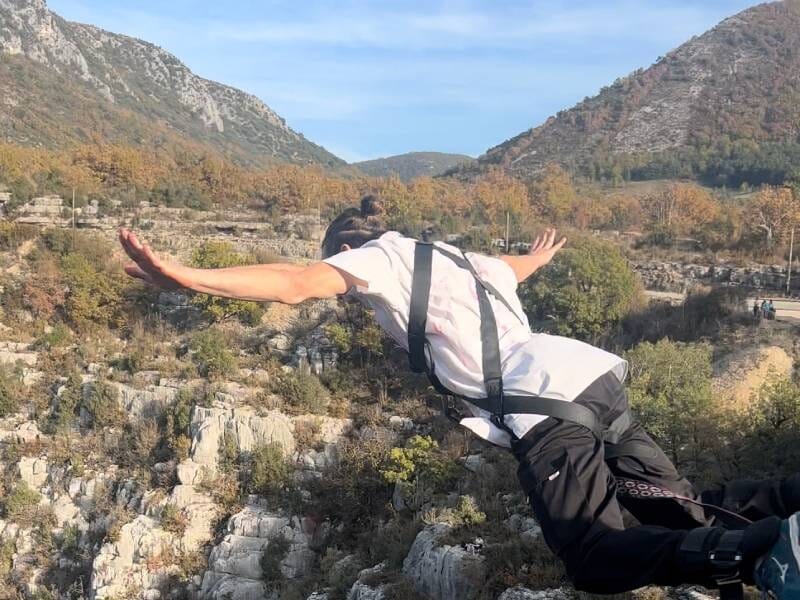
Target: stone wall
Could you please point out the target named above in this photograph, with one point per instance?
(679, 277)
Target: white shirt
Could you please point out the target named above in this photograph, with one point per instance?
(533, 363)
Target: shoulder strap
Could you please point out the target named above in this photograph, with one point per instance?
(418, 311)
(463, 262)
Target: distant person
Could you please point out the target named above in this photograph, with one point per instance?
(765, 309)
(551, 400)
(770, 310)
(756, 308)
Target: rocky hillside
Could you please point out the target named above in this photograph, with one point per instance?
(724, 106)
(413, 164)
(66, 82)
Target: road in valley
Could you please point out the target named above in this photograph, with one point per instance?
(786, 309)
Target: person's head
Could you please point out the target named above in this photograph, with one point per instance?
(355, 227)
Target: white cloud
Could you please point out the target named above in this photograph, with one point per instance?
(376, 27)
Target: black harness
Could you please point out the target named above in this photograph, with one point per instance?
(496, 402)
(724, 556)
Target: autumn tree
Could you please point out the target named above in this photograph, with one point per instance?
(680, 209)
(773, 212)
(552, 194)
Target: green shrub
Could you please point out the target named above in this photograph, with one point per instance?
(173, 519)
(270, 472)
(67, 402)
(70, 541)
(670, 392)
(58, 337)
(211, 354)
(465, 514)
(95, 296)
(353, 493)
(102, 404)
(182, 411)
(228, 452)
(584, 292)
(7, 550)
(10, 391)
(303, 391)
(273, 554)
(340, 336)
(12, 235)
(420, 460)
(20, 505)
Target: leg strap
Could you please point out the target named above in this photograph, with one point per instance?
(725, 561)
(718, 553)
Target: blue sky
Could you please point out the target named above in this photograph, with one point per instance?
(374, 78)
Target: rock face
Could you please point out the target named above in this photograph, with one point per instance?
(235, 565)
(679, 277)
(243, 424)
(521, 593)
(121, 74)
(442, 572)
(124, 567)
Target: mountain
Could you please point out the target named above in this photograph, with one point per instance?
(64, 82)
(724, 107)
(413, 164)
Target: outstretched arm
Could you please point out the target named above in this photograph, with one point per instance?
(541, 253)
(290, 284)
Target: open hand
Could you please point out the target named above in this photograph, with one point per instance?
(150, 268)
(545, 247)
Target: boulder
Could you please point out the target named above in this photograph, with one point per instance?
(22, 433)
(443, 572)
(247, 428)
(147, 403)
(365, 589)
(33, 471)
(202, 512)
(128, 563)
(238, 557)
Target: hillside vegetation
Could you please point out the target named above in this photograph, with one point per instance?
(721, 108)
(413, 164)
(67, 83)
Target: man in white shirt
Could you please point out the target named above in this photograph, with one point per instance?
(576, 456)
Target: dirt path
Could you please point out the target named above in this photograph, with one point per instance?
(786, 310)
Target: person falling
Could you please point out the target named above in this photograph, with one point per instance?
(556, 403)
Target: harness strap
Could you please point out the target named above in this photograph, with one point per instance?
(418, 311)
(463, 262)
(537, 405)
(725, 560)
(722, 557)
(496, 401)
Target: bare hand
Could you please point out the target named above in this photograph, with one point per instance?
(545, 247)
(150, 268)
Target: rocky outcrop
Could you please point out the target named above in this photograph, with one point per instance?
(680, 277)
(244, 426)
(443, 572)
(125, 568)
(235, 565)
(521, 593)
(365, 589)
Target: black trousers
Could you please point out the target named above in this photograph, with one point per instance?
(572, 489)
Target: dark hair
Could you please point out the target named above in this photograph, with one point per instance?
(355, 226)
